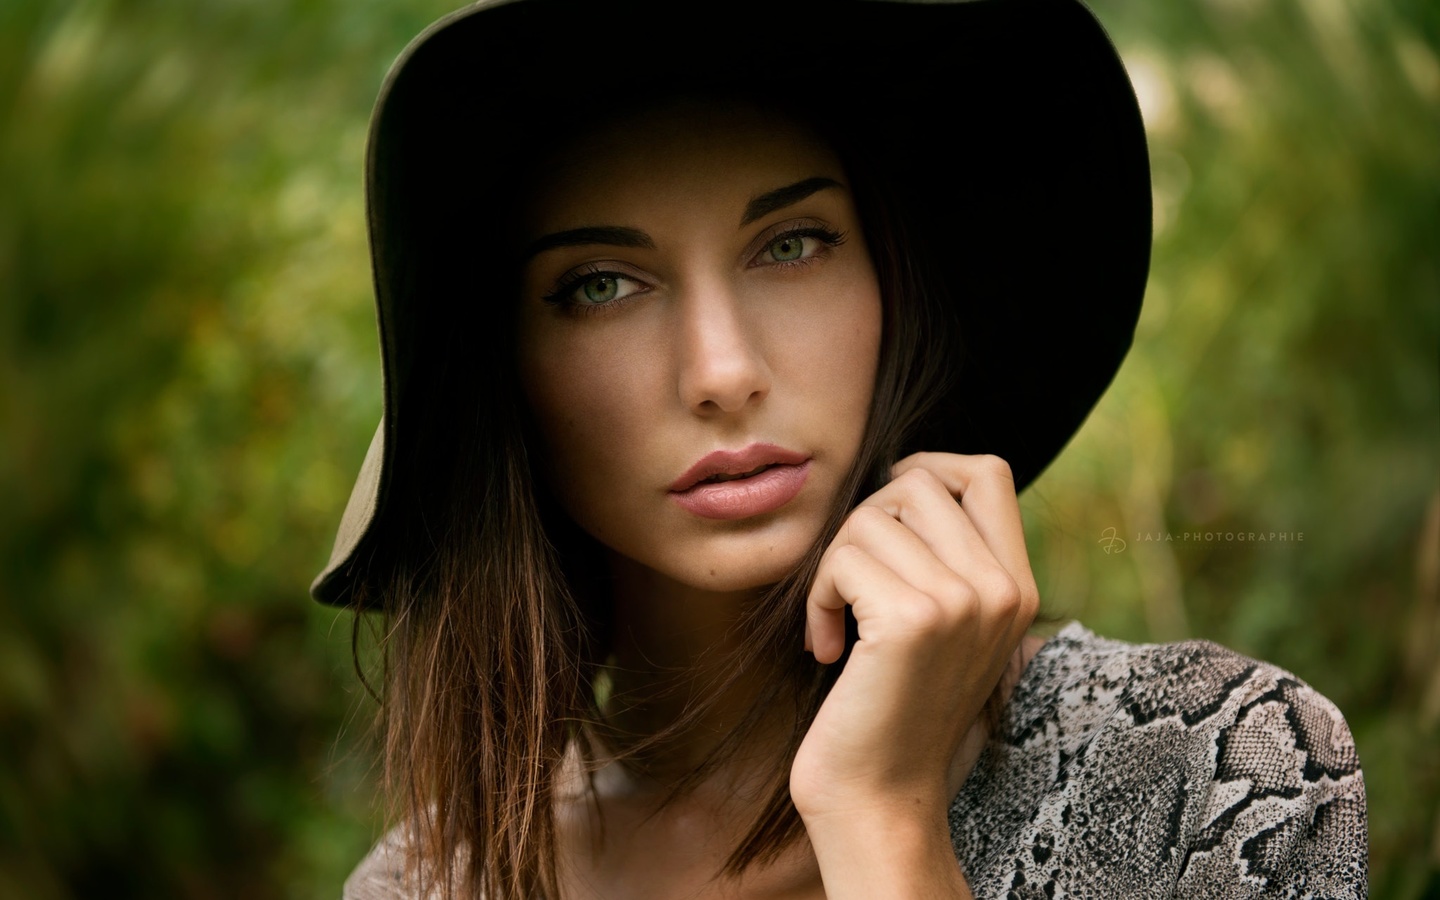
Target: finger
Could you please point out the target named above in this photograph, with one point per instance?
(852, 577)
(922, 503)
(931, 542)
(918, 500)
(898, 548)
(985, 488)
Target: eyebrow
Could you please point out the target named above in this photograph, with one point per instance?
(621, 236)
(790, 194)
(614, 235)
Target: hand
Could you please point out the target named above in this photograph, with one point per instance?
(942, 593)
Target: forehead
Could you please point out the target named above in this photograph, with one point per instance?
(685, 152)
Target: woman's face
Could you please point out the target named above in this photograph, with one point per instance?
(696, 280)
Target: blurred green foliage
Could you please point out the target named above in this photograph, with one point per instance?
(189, 378)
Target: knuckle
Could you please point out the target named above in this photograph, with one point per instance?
(1007, 590)
(1005, 595)
(997, 467)
(846, 556)
(919, 479)
(867, 520)
(959, 597)
(1029, 603)
(918, 613)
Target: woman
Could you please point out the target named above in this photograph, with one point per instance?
(696, 357)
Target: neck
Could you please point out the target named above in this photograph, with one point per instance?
(673, 643)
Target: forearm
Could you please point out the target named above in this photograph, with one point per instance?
(906, 857)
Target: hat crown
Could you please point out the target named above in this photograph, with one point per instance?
(1009, 126)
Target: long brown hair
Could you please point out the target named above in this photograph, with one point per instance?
(495, 623)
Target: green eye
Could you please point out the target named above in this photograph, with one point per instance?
(592, 290)
(787, 248)
(601, 289)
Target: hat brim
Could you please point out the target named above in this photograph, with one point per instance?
(1009, 126)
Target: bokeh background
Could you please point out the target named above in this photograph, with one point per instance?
(189, 379)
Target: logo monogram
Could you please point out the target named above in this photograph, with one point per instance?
(1110, 541)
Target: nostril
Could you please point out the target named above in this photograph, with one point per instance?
(721, 366)
(728, 387)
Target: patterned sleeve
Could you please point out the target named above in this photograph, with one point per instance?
(1184, 770)
(1285, 810)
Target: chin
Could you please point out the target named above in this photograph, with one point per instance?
(742, 563)
(729, 581)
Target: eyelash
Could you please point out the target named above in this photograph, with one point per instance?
(827, 236)
(575, 279)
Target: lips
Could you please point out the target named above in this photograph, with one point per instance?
(740, 484)
(716, 479)
(731, 465)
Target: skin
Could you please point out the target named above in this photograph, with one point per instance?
(714, 339)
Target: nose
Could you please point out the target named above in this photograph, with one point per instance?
(722, 365)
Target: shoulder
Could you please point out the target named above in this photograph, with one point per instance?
(381, 874)
(1184, 763)
(1079, 682)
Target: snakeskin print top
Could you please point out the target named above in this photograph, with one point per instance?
(1140, 771)
(1163, 770)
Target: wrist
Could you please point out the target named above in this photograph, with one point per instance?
(885, 851)
(907, 807)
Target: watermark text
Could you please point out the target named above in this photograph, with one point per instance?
(1111, 541)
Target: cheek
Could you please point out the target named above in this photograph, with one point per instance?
(833, 352)
(588, 400)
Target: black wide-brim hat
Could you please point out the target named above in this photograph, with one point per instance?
(1009, 127)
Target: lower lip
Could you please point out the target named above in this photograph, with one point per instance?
(745, 497)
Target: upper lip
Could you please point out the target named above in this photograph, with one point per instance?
(737, 462)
